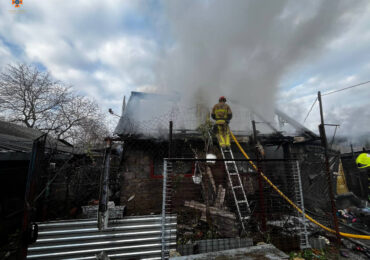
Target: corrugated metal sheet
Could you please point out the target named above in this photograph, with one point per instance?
(132, 237)
(16, 138)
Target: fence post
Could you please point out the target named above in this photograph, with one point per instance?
(103, 213)
(164, 208)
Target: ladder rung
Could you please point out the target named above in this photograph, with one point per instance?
(233, 173)
(242, 201)
(237, 187)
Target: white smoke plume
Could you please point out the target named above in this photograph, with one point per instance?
(241, 49)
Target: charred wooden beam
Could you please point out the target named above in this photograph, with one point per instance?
(225, 221)
(220, 197)
(213, 210)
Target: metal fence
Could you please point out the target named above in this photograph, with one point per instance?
(207, 212)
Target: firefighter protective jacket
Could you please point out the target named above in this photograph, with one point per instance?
(222, 111)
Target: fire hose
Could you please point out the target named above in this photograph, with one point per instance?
(349, 235)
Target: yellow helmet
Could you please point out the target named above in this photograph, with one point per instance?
(363, 160)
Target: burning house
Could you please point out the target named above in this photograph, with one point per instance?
(181, 191)
(147, 142)
(150, 137)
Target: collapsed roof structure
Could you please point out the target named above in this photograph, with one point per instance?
(148, 114)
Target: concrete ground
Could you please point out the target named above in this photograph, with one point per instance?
(260, 252)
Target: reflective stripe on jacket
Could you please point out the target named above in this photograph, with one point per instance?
(221, 111)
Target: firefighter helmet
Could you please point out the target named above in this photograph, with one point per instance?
(222, 99)
(363, 160)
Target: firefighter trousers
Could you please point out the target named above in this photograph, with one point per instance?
(223, 135)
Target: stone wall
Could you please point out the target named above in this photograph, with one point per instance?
(139, 192)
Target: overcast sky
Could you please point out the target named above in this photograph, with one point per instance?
(106, 49)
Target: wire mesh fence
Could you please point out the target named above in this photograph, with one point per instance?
(66, 183)
(316, 181)
(208, 218)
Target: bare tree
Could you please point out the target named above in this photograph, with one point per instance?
(91, 131)
(31, 97)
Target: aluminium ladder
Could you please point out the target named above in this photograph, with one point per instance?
(241, 202)
(298, 196)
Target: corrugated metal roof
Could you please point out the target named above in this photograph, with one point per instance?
(19, 131)
(16, 138)
(131, 237)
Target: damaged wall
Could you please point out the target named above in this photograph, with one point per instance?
(142, 169)
(139, 192)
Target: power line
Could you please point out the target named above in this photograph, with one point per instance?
(332, 92)
(310, 109)
(338, 90)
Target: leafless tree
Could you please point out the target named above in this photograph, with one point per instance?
(32, 98)
(90, 131)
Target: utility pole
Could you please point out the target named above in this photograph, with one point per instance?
(324, 143)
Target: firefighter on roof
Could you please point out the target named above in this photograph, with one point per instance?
(222, 113)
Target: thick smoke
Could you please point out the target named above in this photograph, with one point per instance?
(242, 49)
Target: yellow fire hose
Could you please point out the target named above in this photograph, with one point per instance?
(291, 202)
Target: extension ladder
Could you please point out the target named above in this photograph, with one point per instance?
(241, 202)
(298, 196)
